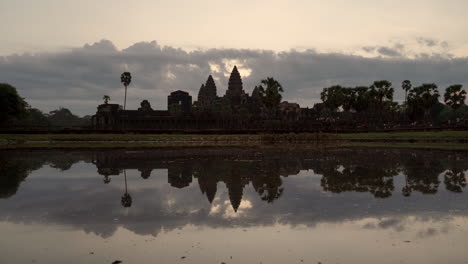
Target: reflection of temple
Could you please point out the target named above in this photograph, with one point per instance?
(180, 172)
(206, 112)
(341, 170)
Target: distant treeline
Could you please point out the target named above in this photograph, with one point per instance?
(374, 104)
(15, 112)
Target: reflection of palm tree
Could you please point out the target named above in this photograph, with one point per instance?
(106, 179)
(126, 198)
(455, 180)
(407, 189)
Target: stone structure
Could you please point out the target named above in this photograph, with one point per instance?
(207, 93)
(145, 106)
(289, 111)
(180, 98)
(235, 93)
(236, 110)
(112, 117)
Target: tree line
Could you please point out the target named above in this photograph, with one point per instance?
(375, 104)
(16, 112)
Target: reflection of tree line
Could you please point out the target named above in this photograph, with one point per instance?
(16, 166)
(342, 170)
(421, 170)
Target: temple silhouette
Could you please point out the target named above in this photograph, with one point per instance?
(236, 110)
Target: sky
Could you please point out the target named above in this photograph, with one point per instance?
(70, 53)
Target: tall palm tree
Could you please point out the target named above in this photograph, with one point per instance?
(406, 86)
(424, 97)
(455, 96)
(381, 93)
(126, 79)
(382, 90)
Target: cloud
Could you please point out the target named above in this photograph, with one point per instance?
(427, 42)
(79, 77)
(390, 52)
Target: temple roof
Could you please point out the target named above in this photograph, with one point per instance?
(210, 82)
(210, 87)
(235, 81)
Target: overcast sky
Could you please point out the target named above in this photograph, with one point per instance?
(70, 53)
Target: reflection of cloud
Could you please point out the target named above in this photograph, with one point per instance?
(427, 233)
(229, 212)
(395, 223)
(215, 209)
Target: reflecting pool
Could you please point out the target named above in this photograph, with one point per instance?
(234, 205)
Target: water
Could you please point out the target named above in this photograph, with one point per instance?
(214, 205)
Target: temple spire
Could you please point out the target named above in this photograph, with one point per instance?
(235, 81)
(210, 88)
(201, 93)
(207, 93)
(235, 92)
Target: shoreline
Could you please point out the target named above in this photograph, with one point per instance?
(456, 140)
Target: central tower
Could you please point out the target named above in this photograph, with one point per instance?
(235, 92)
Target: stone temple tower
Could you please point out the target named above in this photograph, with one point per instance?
(207, 93)
(235, 92)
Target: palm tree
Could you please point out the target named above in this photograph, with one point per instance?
(382, 90)
(406, 86)
(349, 96)
(455, 96)
(125, 79)
(332, 97)
(380, 93)
(271, 91)
(106, 99)
(423, 97)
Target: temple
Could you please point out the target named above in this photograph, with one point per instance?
(236, 110)
(207, 93)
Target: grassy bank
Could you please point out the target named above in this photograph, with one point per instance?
(442, 136)
(444, 139)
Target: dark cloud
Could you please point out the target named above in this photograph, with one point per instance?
(369, 49)
(78, 78)
(429, 42)
(390, 52)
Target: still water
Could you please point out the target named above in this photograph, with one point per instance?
(213, 205)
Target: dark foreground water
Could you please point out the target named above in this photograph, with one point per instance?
(265, 205)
